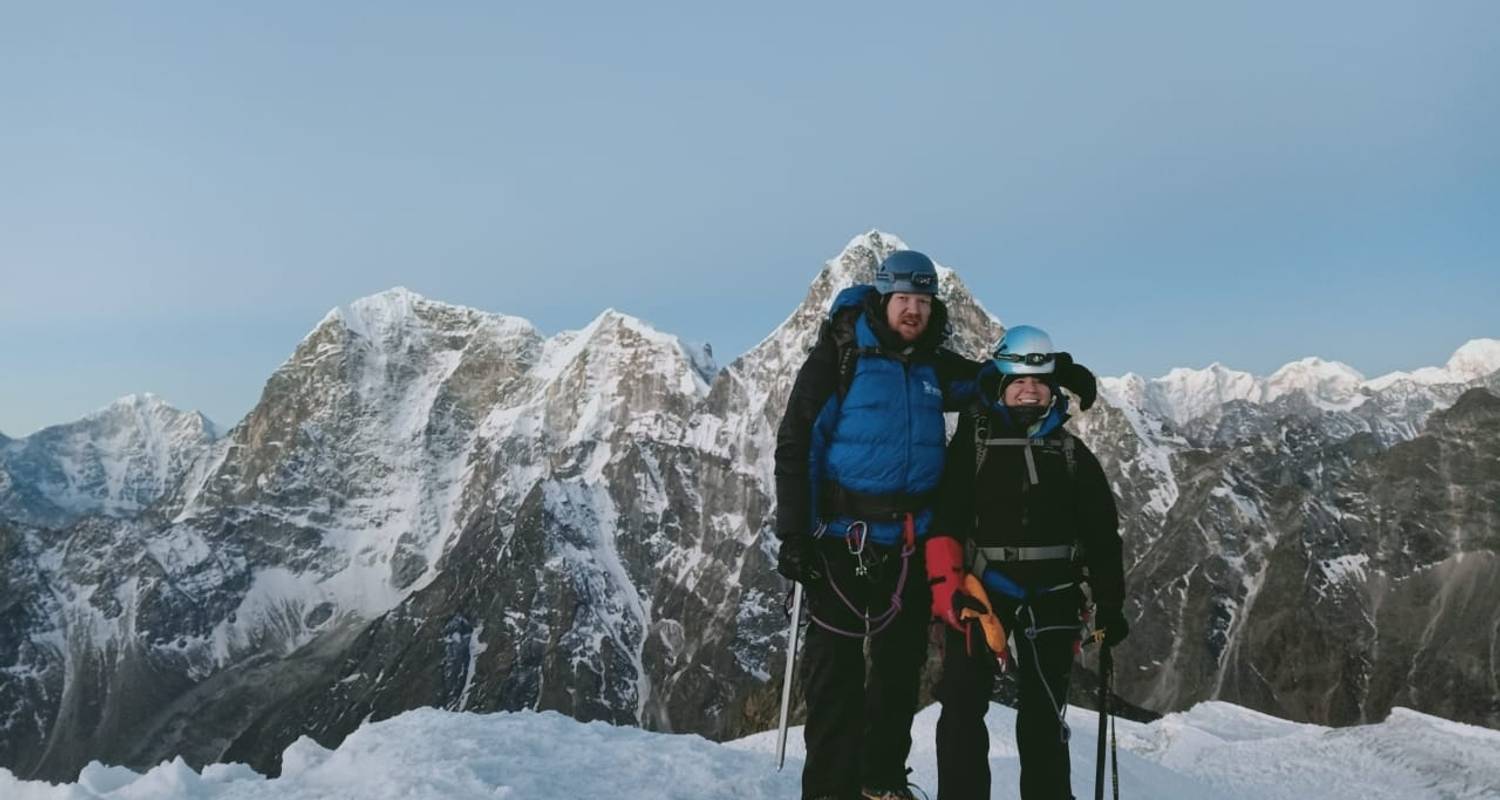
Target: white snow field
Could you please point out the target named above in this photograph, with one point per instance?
(1216, 751)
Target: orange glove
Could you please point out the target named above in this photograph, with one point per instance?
(975, 604)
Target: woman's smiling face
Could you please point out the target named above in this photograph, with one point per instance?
(1027, 390)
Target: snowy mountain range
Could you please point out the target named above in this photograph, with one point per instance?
(432, 505)
(1184, 395)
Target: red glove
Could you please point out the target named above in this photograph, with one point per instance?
(945, 574)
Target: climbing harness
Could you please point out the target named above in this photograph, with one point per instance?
(855, 539)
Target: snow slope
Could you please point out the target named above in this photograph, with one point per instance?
(1215, 750)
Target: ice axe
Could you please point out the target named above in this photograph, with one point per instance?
(786, 681)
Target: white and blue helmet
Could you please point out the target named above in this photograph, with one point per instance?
(906, 271)
(1025, 350)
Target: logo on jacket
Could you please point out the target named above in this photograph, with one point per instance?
(932, 390)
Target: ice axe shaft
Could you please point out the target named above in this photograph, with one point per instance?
(1106, 669)
(786, 680)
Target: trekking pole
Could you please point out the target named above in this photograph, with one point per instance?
(1114, 758)
(1106, 667)
(786, 681)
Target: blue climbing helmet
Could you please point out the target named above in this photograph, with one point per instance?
(906, 271)
(1024, 350)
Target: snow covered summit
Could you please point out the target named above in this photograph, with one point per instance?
(115, 461)
(1215, 750)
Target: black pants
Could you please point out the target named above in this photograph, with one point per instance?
(1040, 664)
(859, 725)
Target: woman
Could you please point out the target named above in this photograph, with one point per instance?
(1025, 508)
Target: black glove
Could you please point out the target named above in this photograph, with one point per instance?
(798, 560)
(1077, 379)
(1112, 621)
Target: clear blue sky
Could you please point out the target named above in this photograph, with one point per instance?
(188, 187)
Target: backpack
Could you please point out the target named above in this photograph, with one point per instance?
(842, 316)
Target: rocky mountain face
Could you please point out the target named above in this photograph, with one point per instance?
(433, 505)
(1318, 557)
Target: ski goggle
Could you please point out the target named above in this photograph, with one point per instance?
(918, 280)
(1029, 359)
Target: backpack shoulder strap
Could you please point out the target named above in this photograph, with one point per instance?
(1066, 442)
(981, 437)
(841, 327)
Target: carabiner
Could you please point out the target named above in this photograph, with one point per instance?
(854, 539)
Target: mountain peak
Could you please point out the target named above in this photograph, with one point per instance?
(377, 311)
(395, 301)
(976, 329)
(134, 403)
(856, 262)
(137, 400)
(395, 294)
(1322, 368)
(611, 319)
(876, 240)
(1331, 385)
(614, 316)
(1185, 373)
(399, 308)
(614, 331)
(1476, 358)
(1184, 393)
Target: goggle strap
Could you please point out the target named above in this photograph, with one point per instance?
(914, 278)
(1029, 359)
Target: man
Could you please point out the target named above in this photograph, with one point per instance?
(1024, 505)
(859, 457)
